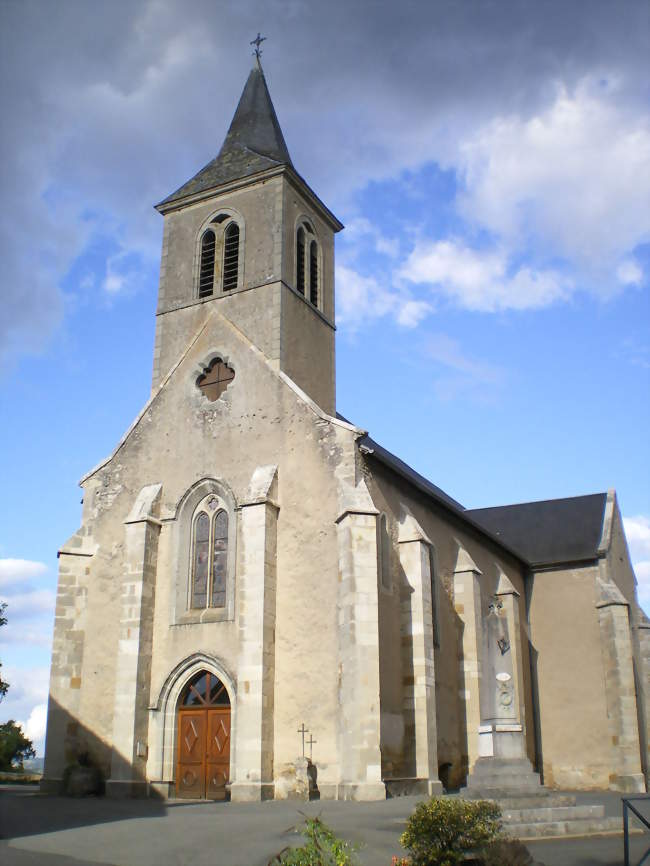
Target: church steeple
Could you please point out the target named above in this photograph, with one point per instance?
(254, 141)
(248, 237)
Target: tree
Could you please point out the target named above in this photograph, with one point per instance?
(14, 746)
(3, 621)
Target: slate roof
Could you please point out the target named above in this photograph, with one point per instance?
(548, 532)
(403, 469)
(538, 533)
(254, 142)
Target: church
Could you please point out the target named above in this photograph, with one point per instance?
(257, 585)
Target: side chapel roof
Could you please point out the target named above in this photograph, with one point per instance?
(254, 142)
(551, 531)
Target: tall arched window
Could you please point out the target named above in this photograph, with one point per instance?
(209, 555)
(313, 273)
(308, 263)
(300, 261)
(206, 272)
(230, 257)
(219, 256)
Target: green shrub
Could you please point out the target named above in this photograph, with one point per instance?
(441, 831)
(323, 848)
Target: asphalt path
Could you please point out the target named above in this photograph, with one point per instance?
(60, 831)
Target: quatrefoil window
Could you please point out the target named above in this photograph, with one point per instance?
(215, 380)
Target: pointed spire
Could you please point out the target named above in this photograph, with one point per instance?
(254, 141)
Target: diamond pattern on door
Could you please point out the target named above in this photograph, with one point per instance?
(220, 736)
(203, 767)
(191, 737)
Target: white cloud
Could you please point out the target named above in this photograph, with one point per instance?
(360, 228)
(629, 273)
(361, 299)
(14, 572)
(637, 531)
(30, 604)
(480, 279)
(34, 727)
(458, 374)
(573, 179)
(27, 700)
(410, 313)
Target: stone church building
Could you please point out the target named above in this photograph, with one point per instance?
(250, 564)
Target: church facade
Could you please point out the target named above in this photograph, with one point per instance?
(251, 565)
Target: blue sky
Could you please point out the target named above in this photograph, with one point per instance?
(491, 162)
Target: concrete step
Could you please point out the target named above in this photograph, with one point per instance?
(504, 765)
(577, 827)
(542, 814)
(508, 784)
(531, 800)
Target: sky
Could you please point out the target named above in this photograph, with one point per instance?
(491, 163)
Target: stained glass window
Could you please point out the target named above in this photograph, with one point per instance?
(210, 555)
(201, 560)
(219, 559)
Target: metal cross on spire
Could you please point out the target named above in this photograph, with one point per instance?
(257, 51)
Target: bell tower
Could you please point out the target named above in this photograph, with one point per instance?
(248, 235)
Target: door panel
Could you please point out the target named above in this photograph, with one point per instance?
(190, 776)
(218, 753)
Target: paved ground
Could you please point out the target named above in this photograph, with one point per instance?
(57, 831)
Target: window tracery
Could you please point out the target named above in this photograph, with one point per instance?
(219, 256)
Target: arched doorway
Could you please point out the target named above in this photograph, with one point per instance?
(203, 765)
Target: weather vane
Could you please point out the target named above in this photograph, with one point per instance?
(257, 42)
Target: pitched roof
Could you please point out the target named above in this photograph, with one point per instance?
(403, 469)
(538, 533)
(254, 142)
(548, 532)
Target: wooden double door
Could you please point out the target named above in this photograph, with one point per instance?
(203, 753)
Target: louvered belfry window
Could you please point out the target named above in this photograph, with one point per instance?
(313, 273)
(231, 257)
(206, 275)
(300, 261)
(210, 556)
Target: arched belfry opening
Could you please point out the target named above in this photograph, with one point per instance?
(203, 744)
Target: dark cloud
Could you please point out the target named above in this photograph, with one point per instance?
(109, 107)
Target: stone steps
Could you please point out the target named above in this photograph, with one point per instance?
(545, 814)
(540, 813)
(578, 827)
(533, 800)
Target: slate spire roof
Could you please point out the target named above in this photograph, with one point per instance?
(254, 142)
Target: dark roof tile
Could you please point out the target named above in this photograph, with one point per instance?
(254, 142)
(548, 532)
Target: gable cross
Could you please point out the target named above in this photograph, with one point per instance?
(257, 42)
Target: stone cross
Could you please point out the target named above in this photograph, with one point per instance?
(303, 730)
(257, 42)
(310, 743)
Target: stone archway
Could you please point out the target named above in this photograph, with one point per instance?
(164, 718)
